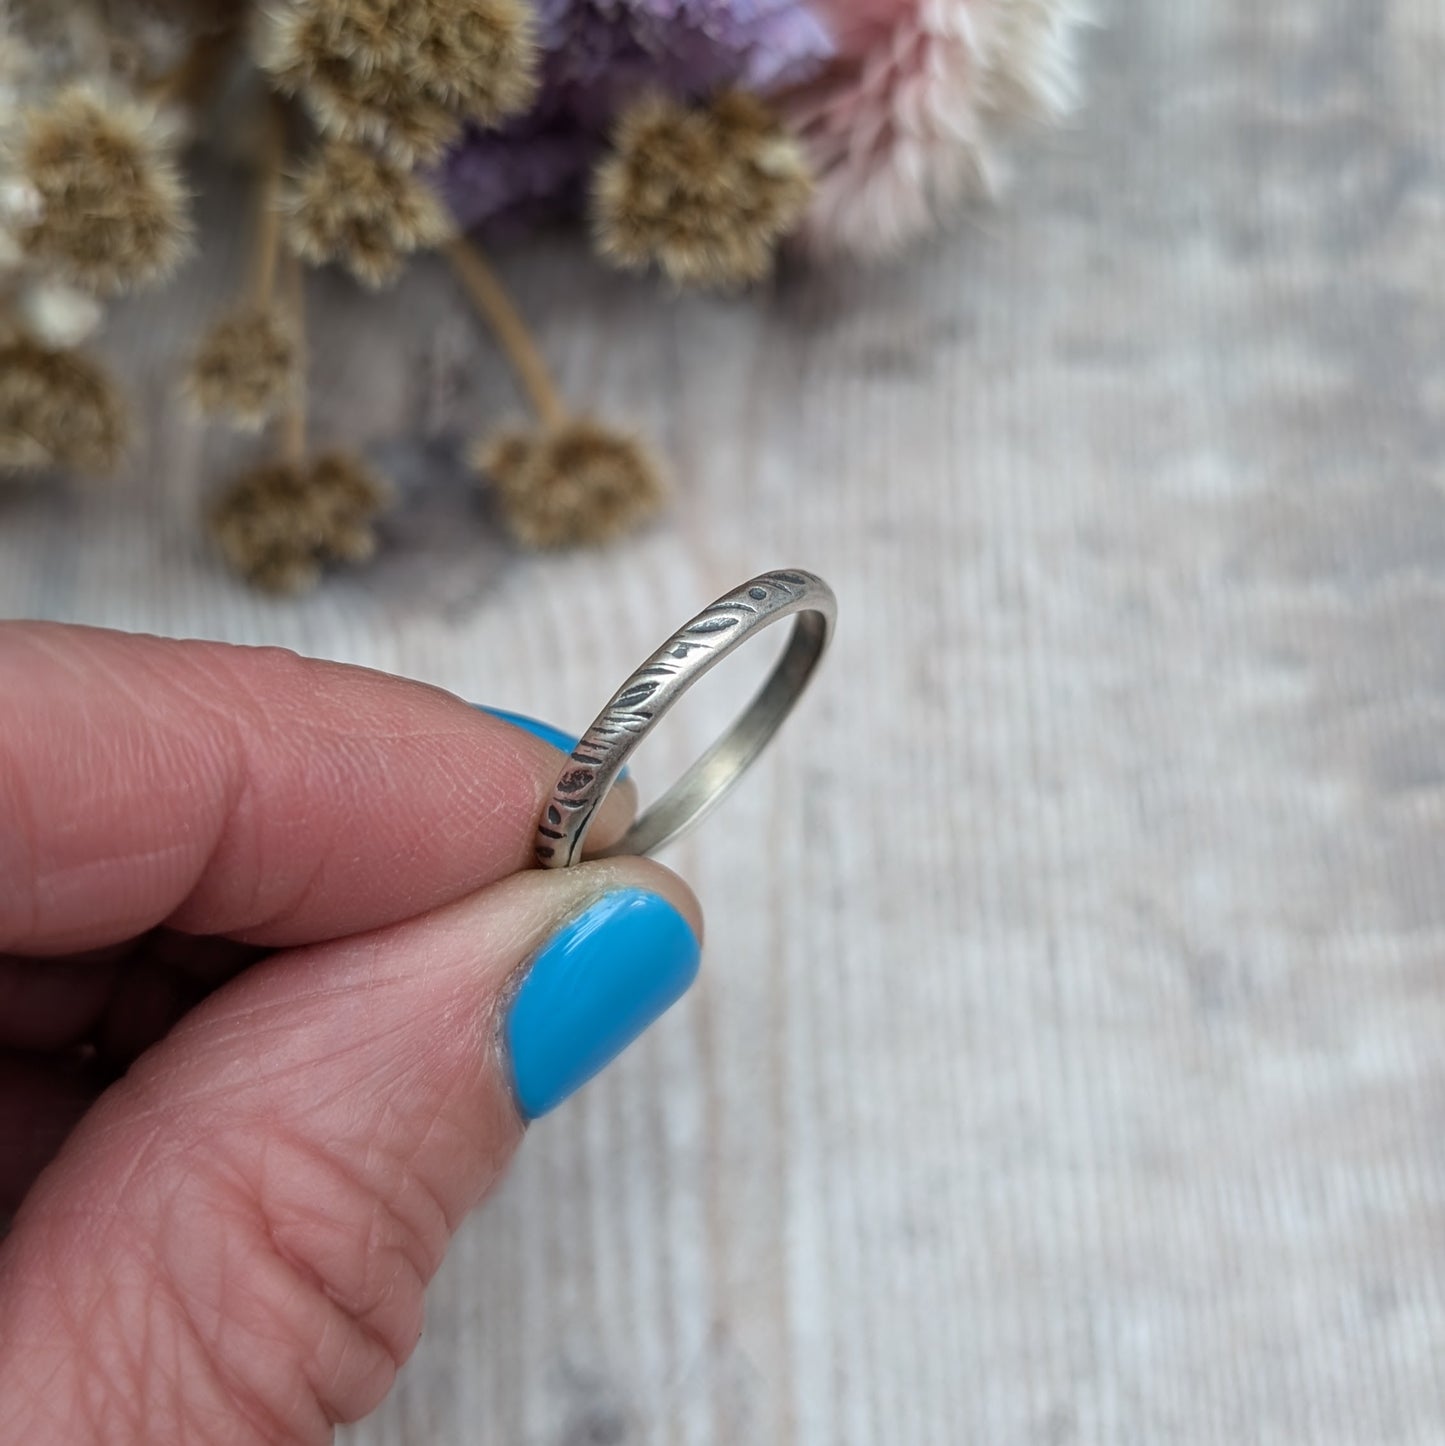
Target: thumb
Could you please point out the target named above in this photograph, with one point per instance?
(234, 1243)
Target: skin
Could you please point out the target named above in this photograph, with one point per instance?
(258, 919)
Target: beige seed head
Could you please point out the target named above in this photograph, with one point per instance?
(297, 39)
(479, 57)
(350, 97)
(57, 409)
(279, 524)
(348, 497)
(112, 208)
(571, 485)
(402, 74)
(265, 531)
(246, 367)
(359, 208)
(705, 194)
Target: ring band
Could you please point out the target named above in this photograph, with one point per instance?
(637, 706)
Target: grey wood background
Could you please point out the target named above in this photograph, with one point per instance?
(1070, 1061)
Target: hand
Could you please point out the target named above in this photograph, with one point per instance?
(277, 992)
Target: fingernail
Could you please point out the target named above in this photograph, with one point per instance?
(557, 737)
(593, 988)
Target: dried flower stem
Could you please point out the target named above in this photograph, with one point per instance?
(187, 82)
(268, 209)
(489, 296)
(292, 435)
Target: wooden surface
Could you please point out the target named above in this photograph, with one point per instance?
(1070, 1060)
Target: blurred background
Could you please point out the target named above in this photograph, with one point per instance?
(1069, 1061)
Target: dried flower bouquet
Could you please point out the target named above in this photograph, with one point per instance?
(695, 136)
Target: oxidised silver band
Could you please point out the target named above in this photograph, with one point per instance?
(648, 694)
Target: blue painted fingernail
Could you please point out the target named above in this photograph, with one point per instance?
(557, 737)
(593, 988)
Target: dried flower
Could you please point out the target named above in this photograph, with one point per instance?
(570, 479)
(57, 408)
(303, 42)
(901, 128)
(347, 497)
(266, 531)
(358, 207)
(704, 193)
(113, 212)
(348, 99)
(246, 367)
(478, 56)
(571, 484)
(56, 314)
(402, 73)
(280, 523)
(412, 126)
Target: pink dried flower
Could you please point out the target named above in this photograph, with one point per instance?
(902, 126)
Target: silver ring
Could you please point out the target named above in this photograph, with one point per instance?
(648, 694)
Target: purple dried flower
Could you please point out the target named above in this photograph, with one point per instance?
(599, 53)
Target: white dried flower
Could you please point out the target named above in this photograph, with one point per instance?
(20, 206)
(20, 202)
(57, 314)
(905, 123)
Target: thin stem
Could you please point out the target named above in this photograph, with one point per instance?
(268, 206)
(293, 422)
(186, 81)
(490, 298)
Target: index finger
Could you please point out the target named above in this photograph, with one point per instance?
(241, 791)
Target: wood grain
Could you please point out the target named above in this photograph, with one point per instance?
(1070, 1061)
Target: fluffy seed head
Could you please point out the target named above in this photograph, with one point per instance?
(277, 525)
(245, 367)
(575, 484)
(358, 207)
(350, 97)
(705, 193)
(265, 529)
(411, 126)
(57, 408)
(297, 38)
(347, 497)
(112, 207)
(478, 56)
(402, 73)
